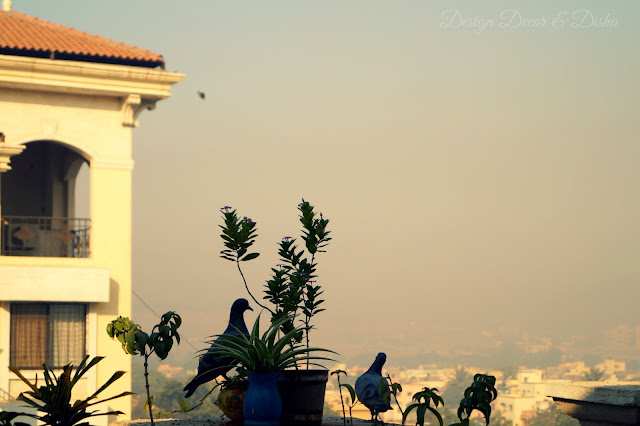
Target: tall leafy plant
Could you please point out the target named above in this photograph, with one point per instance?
(54, 398)
(134, 341)
(478, 396)
(292, 289)
(352, 393)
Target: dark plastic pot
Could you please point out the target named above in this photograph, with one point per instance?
(262, 404)
(302, 393)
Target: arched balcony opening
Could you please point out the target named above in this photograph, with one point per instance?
(45, 203)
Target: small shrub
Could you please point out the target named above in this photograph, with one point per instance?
(134, 341)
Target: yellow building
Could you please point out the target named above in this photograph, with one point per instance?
(68, 100)
(523, 396)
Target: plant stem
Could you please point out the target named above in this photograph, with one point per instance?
(344, 414)
(307, 318)
(398, 404)
(394, 396)
(306, 334)
(249, 291)
(146, 383)
(168, 413)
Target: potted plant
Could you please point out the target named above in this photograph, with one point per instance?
(264, 357)
(296, 297)
(231, 397)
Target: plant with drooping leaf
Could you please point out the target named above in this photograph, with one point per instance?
(386, 389)
(134, 341)
(292, 289)
(427, 396)
(478, 396)
(54, 398)
(352, 392)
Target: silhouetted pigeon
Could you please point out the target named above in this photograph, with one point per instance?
(368, 384)
(212, 366)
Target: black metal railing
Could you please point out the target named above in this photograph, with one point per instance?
(45, 236)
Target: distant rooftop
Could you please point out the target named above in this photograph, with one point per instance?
(24, 35)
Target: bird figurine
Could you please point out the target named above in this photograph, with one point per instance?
(212, 366)
(368, 384)
(201, 94)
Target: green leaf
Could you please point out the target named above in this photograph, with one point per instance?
(438, 416)
(407, 411)
(250, 256)
(352, 391)
(159, 345)
(184, 405)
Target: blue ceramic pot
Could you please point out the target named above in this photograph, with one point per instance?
(262, 404)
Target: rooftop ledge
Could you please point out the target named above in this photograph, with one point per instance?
(86, 78)
(598, 403)
(326, 421)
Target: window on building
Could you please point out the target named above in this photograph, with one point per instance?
(47, 333)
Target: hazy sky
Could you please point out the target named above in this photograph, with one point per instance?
(477, 173)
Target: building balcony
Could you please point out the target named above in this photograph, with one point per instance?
(45, 236)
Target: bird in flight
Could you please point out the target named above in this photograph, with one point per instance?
(201, 94)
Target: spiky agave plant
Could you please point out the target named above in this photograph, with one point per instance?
(269, 352)
(54, 398)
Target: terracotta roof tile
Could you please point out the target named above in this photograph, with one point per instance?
(24, 35)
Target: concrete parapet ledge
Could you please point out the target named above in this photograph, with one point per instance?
(326, 421)
(598, 403)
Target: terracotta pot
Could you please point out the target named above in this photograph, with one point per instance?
(231, 401)
(302, 393)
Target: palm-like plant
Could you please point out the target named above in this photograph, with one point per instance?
(269, 352)
(54, 398)
(426, 395)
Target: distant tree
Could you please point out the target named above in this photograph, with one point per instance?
(594, 375)
(497, 419)
(551, 417)
(454, 391)
(591, 359)
(453, 394)
(509, 372)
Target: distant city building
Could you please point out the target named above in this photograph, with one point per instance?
(68, 101)
(612, 370)
(522, 396)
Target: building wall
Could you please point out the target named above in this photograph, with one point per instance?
(524, 394)
(92, 126)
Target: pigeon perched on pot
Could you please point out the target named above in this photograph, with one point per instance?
(212, 366)
(368, 384)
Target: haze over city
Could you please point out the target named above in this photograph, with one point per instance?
(481, 180)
